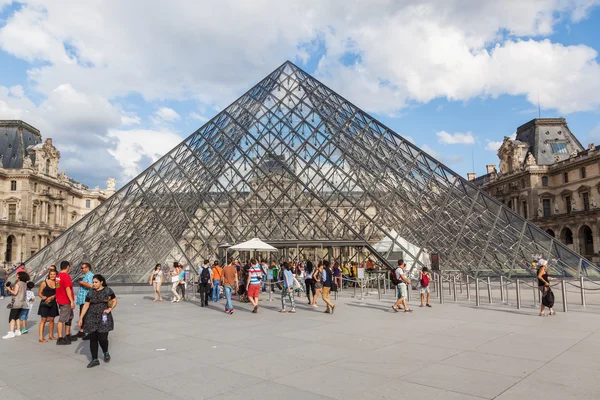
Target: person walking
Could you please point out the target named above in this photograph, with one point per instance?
(85, 285)
(230, 283)
(3, 278)
(217, 273)
(402, 287)
(424, 279)
(318, 278)
(48, 309)
(327, 280)
(19, 291)
(205, 283)
(156, 279)
(66, 304)
(175, 283)
(96, 318)
(288, 288)
(181, 284)
(544, 286)
(309, 281)
(253, 283)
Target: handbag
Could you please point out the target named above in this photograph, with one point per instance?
(45, 304)
(11, 304)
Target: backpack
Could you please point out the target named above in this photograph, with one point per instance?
(424, 280)
(395, 280)
(204, 275)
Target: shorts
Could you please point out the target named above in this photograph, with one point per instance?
(65, 313)
(402, 290)
(14, 314)
(253, 290)
(424, 289)
(24, 314)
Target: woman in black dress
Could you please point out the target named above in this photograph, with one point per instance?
(48, 308)
(97, 311)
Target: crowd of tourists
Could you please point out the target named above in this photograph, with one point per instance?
(57, 300)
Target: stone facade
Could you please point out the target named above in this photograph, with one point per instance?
(549, 178)
(37, 202)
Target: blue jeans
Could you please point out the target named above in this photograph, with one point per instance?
(228, 290)
(2, 283)
(216, 293)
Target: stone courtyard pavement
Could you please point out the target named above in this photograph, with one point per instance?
(363, 351)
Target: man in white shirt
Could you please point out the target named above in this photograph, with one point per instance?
(402, 287)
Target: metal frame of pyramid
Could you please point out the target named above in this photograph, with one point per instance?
(291, 160)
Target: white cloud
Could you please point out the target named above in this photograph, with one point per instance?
(137, 148)
(167, 114)
(456, 138)
(198, 116)
(493, 146)
(129, 118)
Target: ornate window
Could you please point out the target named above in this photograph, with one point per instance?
(88, 203)
(12, 213)
(47, 167)
(13, 185)
(544, 181)
(547, 207)
(582, 173)
(586, 201)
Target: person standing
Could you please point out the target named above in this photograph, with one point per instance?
(424, 279)
(96, 318)
(181, 285)
(309, 281)
(205, 283)
(3, 277)
(327, 279)
(288, 288)
(156, 279)
(544, 285)
(48, 308)
(175, 283)
(253, 284)
(402, 287)
(85, 285)
(230, 284)
(66, 304)
(19, 290)
(217, 273)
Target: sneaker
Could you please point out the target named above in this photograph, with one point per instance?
(9, 335)
(93, 363)
(17, 333)
(1, 297)
(231, 311)
(62, 341)
(24, 331)
(73, 338)
(85, 337)
(106, 357)
(81, 334)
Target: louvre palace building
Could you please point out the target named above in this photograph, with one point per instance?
(37, 202)
(550, 179)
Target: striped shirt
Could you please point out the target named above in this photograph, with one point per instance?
(255, 274)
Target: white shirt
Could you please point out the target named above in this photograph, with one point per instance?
(400, 275)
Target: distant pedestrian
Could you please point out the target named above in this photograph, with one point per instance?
(216, 282)
(205, 283)
(309, 281)
(327, 280)
(230, 283)
(3, 278)
(156, 279)
(544, 287)
(253, 283)
(175, 283)
(424, 279)
(85, 285)
(288, 288)
(96, 318)
(318, 278)
(402, 287)
(30, 298)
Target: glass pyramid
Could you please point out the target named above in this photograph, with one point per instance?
(291, 160)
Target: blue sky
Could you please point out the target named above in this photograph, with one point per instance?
(117, 85)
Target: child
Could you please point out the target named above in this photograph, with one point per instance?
(30, 298)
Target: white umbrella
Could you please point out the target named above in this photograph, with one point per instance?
(253, 244)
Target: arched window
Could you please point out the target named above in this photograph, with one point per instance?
(47, 167)
(550, 232)
(566, 236)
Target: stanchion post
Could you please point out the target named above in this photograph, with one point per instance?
(408, 289)
(449, 287)
(477, 292)
(563, 287)
(441, 281)
(378, 288)
(518, 293)
(501, 288)
(468, 286)
(489, 287)
(454, 288)
(460, 283)
(581, 283)
(362, 285)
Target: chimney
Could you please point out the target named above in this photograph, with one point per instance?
(491, 168)
(471, 176)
